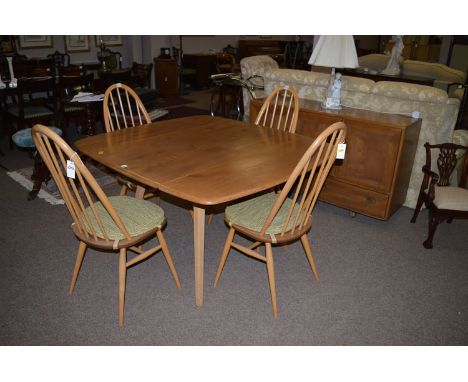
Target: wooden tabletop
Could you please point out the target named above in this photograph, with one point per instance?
(205, 160)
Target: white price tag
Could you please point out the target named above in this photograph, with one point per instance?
(70, 169)
(340, 153)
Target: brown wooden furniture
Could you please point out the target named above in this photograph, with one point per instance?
(165, 74)
(443, 201)
(141, 75)
(116, 223)
(69, 86)
(202, 159)
(280, 110)
(272, 48)
(204, 66)
(122, 108)
(373, 178)
(281, 218)
(386, 77)
(226, 63)
(110, 77)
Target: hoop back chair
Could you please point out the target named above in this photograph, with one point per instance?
(444, 202)
(280, 110)
(122, 108)
(116, 223)
(272, 218)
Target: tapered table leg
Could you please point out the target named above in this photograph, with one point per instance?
(199, 250)
(39, 175)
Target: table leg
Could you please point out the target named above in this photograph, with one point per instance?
(39, 175)
(140, 192)
(90, 120)
(199, 249)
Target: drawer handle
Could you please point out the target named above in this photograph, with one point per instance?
(370, 200)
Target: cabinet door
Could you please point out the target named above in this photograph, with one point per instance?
(312, 124)
(371, 155)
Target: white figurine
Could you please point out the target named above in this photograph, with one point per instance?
(13, 80)
(393, 65)
(333, 100)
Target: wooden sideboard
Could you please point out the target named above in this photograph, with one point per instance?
(373, 178)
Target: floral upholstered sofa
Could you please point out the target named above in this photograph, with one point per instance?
(437, 110)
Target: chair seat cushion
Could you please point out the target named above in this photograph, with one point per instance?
(252, 213)
(30, 111)
(23, 138)
(137, 215)
(451, 198)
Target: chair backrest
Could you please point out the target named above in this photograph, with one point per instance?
(59, 61)
(280, 110)
(70, 85)
(109, 59)
(123, 108)
(37, 91)
(142, 74)
(447, 162)
(306, 181)
(225, 63)
(81, 193)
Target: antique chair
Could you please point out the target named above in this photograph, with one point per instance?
(69, 86)
(271, 218)
(116, 223)
(109, 59)
(226, 63)
(280, 110)
(443, 201)
(36, 103)
(122, 108)
(59, 61)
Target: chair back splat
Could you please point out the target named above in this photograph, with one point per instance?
(280, 110)
(123, 108)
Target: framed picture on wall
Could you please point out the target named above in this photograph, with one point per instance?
(77, 43)
(109, 40)
(27, 42)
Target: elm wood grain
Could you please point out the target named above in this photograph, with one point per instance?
(202, 159)
(374, 177)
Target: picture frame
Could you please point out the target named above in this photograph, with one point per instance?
(75, 43)
(36, 41)
(109, 40)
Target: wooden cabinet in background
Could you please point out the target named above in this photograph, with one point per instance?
(374, 176)
(165, 73)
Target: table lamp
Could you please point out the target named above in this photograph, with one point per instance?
(334, 52)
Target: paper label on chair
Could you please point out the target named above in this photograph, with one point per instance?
(340, 153)
(70, 169)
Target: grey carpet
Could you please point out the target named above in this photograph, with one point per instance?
(378, 285)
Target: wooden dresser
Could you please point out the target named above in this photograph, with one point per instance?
(374, 176)
(165, 74)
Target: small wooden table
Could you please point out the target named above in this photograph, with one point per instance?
(205, 160)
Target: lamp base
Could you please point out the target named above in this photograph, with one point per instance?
(331, 104)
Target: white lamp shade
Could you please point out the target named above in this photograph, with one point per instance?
(335, 52)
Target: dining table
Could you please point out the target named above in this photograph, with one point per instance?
(205, 160)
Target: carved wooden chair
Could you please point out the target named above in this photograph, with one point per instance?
(271, 218)
(68, 87)
(443, 201)
(280, 110)
(116, 223)
(122, 108)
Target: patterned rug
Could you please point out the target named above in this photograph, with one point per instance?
(49, 191)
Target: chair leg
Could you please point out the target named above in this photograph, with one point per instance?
(78, 262)
(271, 277)
(123, 190)
(227, 247)
(122, 278)
(308, 251)
(418, 207)
(167, 256)
(433, 223)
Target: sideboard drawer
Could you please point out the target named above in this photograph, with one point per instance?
(354, 198)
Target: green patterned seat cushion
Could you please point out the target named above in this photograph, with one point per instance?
(23, 137)
(252, 213)
(30, 111)
(137, 215)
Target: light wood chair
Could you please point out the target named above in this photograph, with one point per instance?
(116, 223)
(443, 201)
(280, 110)
(272, 218)
(122, 108)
